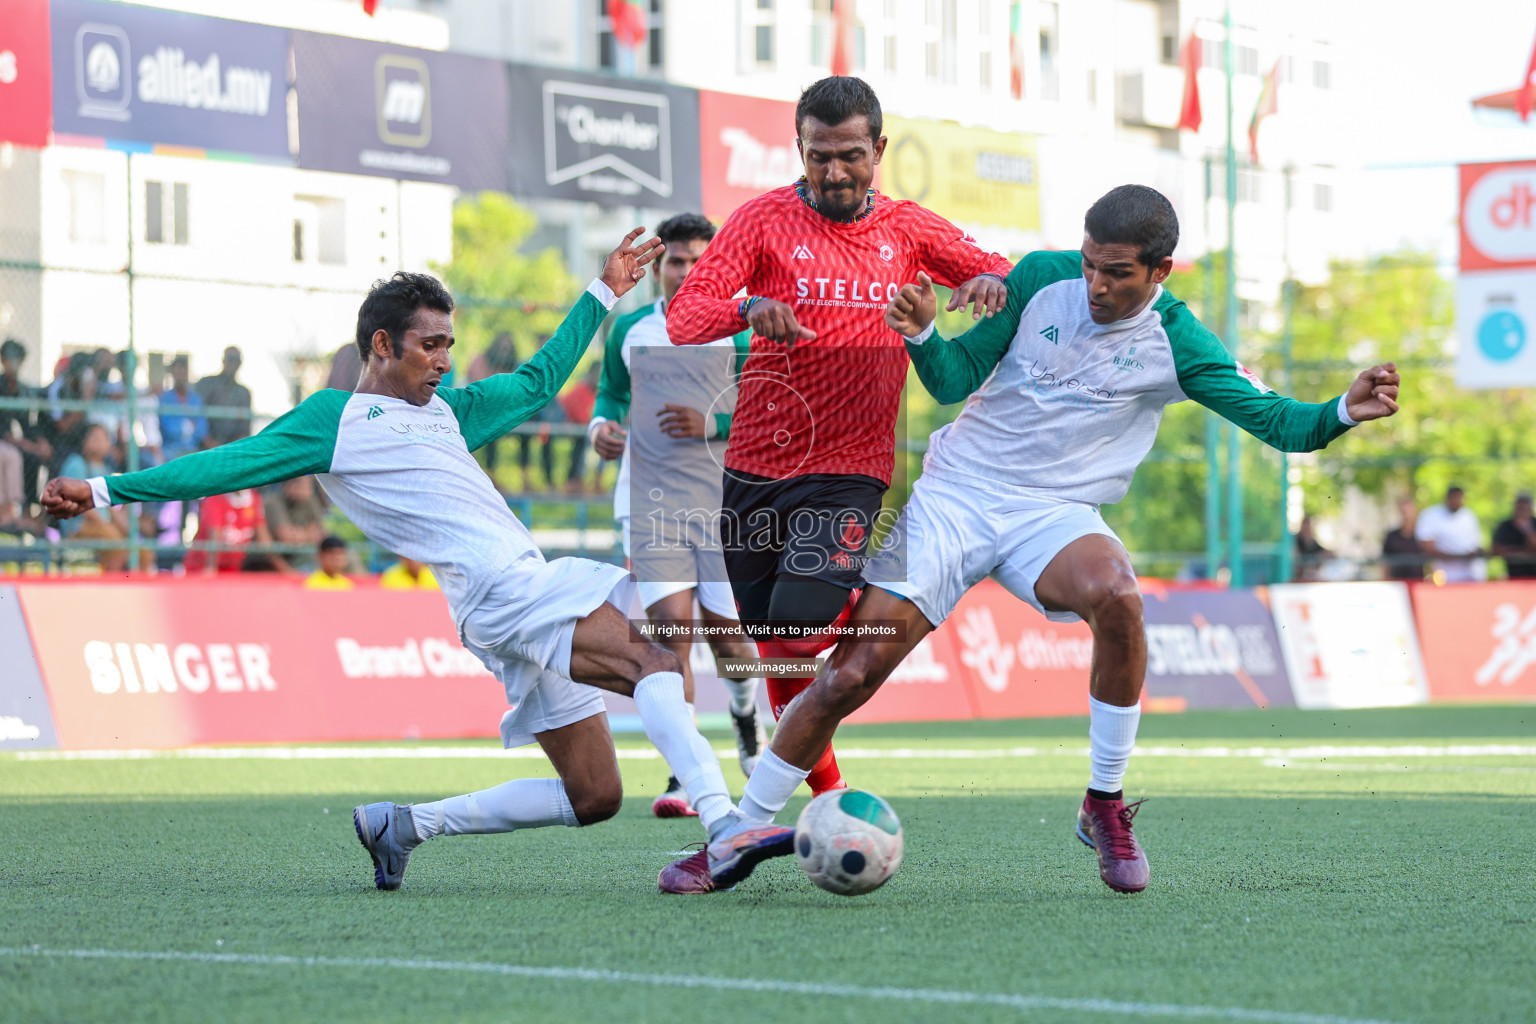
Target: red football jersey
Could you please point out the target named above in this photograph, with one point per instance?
(227, 519)
(828, 405)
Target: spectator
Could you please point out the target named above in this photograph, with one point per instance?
(1452, 534)
(99, 523)
(1400, 549)
(22, 445)
(181, 430)
(1310, 553)
(233, 520)
(295, 514)
(222, 391)
(501, 357)
(1515, 540)
(408, 575)
(346, 368)
(332, 574)
(577, 404)
(67, 429)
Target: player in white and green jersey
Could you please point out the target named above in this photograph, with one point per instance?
(395, 456)
(678, 400)
(1064, 390)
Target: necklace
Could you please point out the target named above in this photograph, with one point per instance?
(803, 190)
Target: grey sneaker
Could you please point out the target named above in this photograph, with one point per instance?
(751, 738)
(389, 835)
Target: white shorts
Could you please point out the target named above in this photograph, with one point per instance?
(522, 631)
(951, 536)
(684, 565)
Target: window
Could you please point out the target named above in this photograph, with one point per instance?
(1050, 42)
(1322, 197)
(1248, 185)
(984, 68)
(1246, 60)
(1322, 74)
(319, 230)
(763, 39)
(890, 53)
(87, 206)
(167, 221)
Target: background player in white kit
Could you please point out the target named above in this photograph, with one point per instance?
(395, 456)
(1066, 389)
(680, 419)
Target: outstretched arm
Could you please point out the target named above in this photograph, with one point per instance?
(489, 408)
(1209, 375)
(298, 443)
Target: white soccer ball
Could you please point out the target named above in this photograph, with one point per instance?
(848, 841)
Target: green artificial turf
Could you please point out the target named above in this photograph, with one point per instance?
(1397, 887)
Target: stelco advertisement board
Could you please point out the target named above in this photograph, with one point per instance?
(1496, 288)
(137, 74)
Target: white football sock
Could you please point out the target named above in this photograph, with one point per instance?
(521, 803)
(665, 715)
(1111, 737)
(743, 694)
(770, 786)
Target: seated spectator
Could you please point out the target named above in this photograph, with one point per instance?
(1452, 534)
(22, 451)
(332, 574)
(1310, 553)
(408, 575)
(296, 513)
(181, 429)
(1515, 540)
(98, 523)
(233, 520)
(66, 428)
(1400, 548)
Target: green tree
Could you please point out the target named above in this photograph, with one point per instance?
(498, 286)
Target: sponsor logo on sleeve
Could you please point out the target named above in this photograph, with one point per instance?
(1253, 378)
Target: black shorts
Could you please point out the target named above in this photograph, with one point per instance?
(816, 526)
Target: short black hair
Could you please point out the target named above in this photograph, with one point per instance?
(332, 543)
(834, 100)
(391, 307)
(685, 227)
(13, 349)
(1455, 489)
(1135, 215)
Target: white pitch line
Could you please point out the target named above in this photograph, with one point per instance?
(1278, 762)
(311, 753)
(703, 981)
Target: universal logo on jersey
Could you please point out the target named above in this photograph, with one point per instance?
(104, 73)
(402, 88)
(592, 130)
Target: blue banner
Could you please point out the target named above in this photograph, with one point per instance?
(1214, 649)
(26, 717)
(147, 76)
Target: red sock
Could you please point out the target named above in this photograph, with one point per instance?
(825, 774)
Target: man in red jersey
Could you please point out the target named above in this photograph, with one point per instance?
(812, 447)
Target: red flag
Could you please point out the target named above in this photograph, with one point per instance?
(629, 28)
(1269, 103)
(842, 37)
(1189, 60)
(1527, 90)
(369, 6)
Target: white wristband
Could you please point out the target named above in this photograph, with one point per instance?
(100, 496)
(597, 421)
(602, 293)
(1344, 416)
(921, 336)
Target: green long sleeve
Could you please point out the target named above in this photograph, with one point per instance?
(952, 368)
(300, 442)
(1210, 375)
(489, 408)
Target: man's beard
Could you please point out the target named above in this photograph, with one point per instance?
(840, 205)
